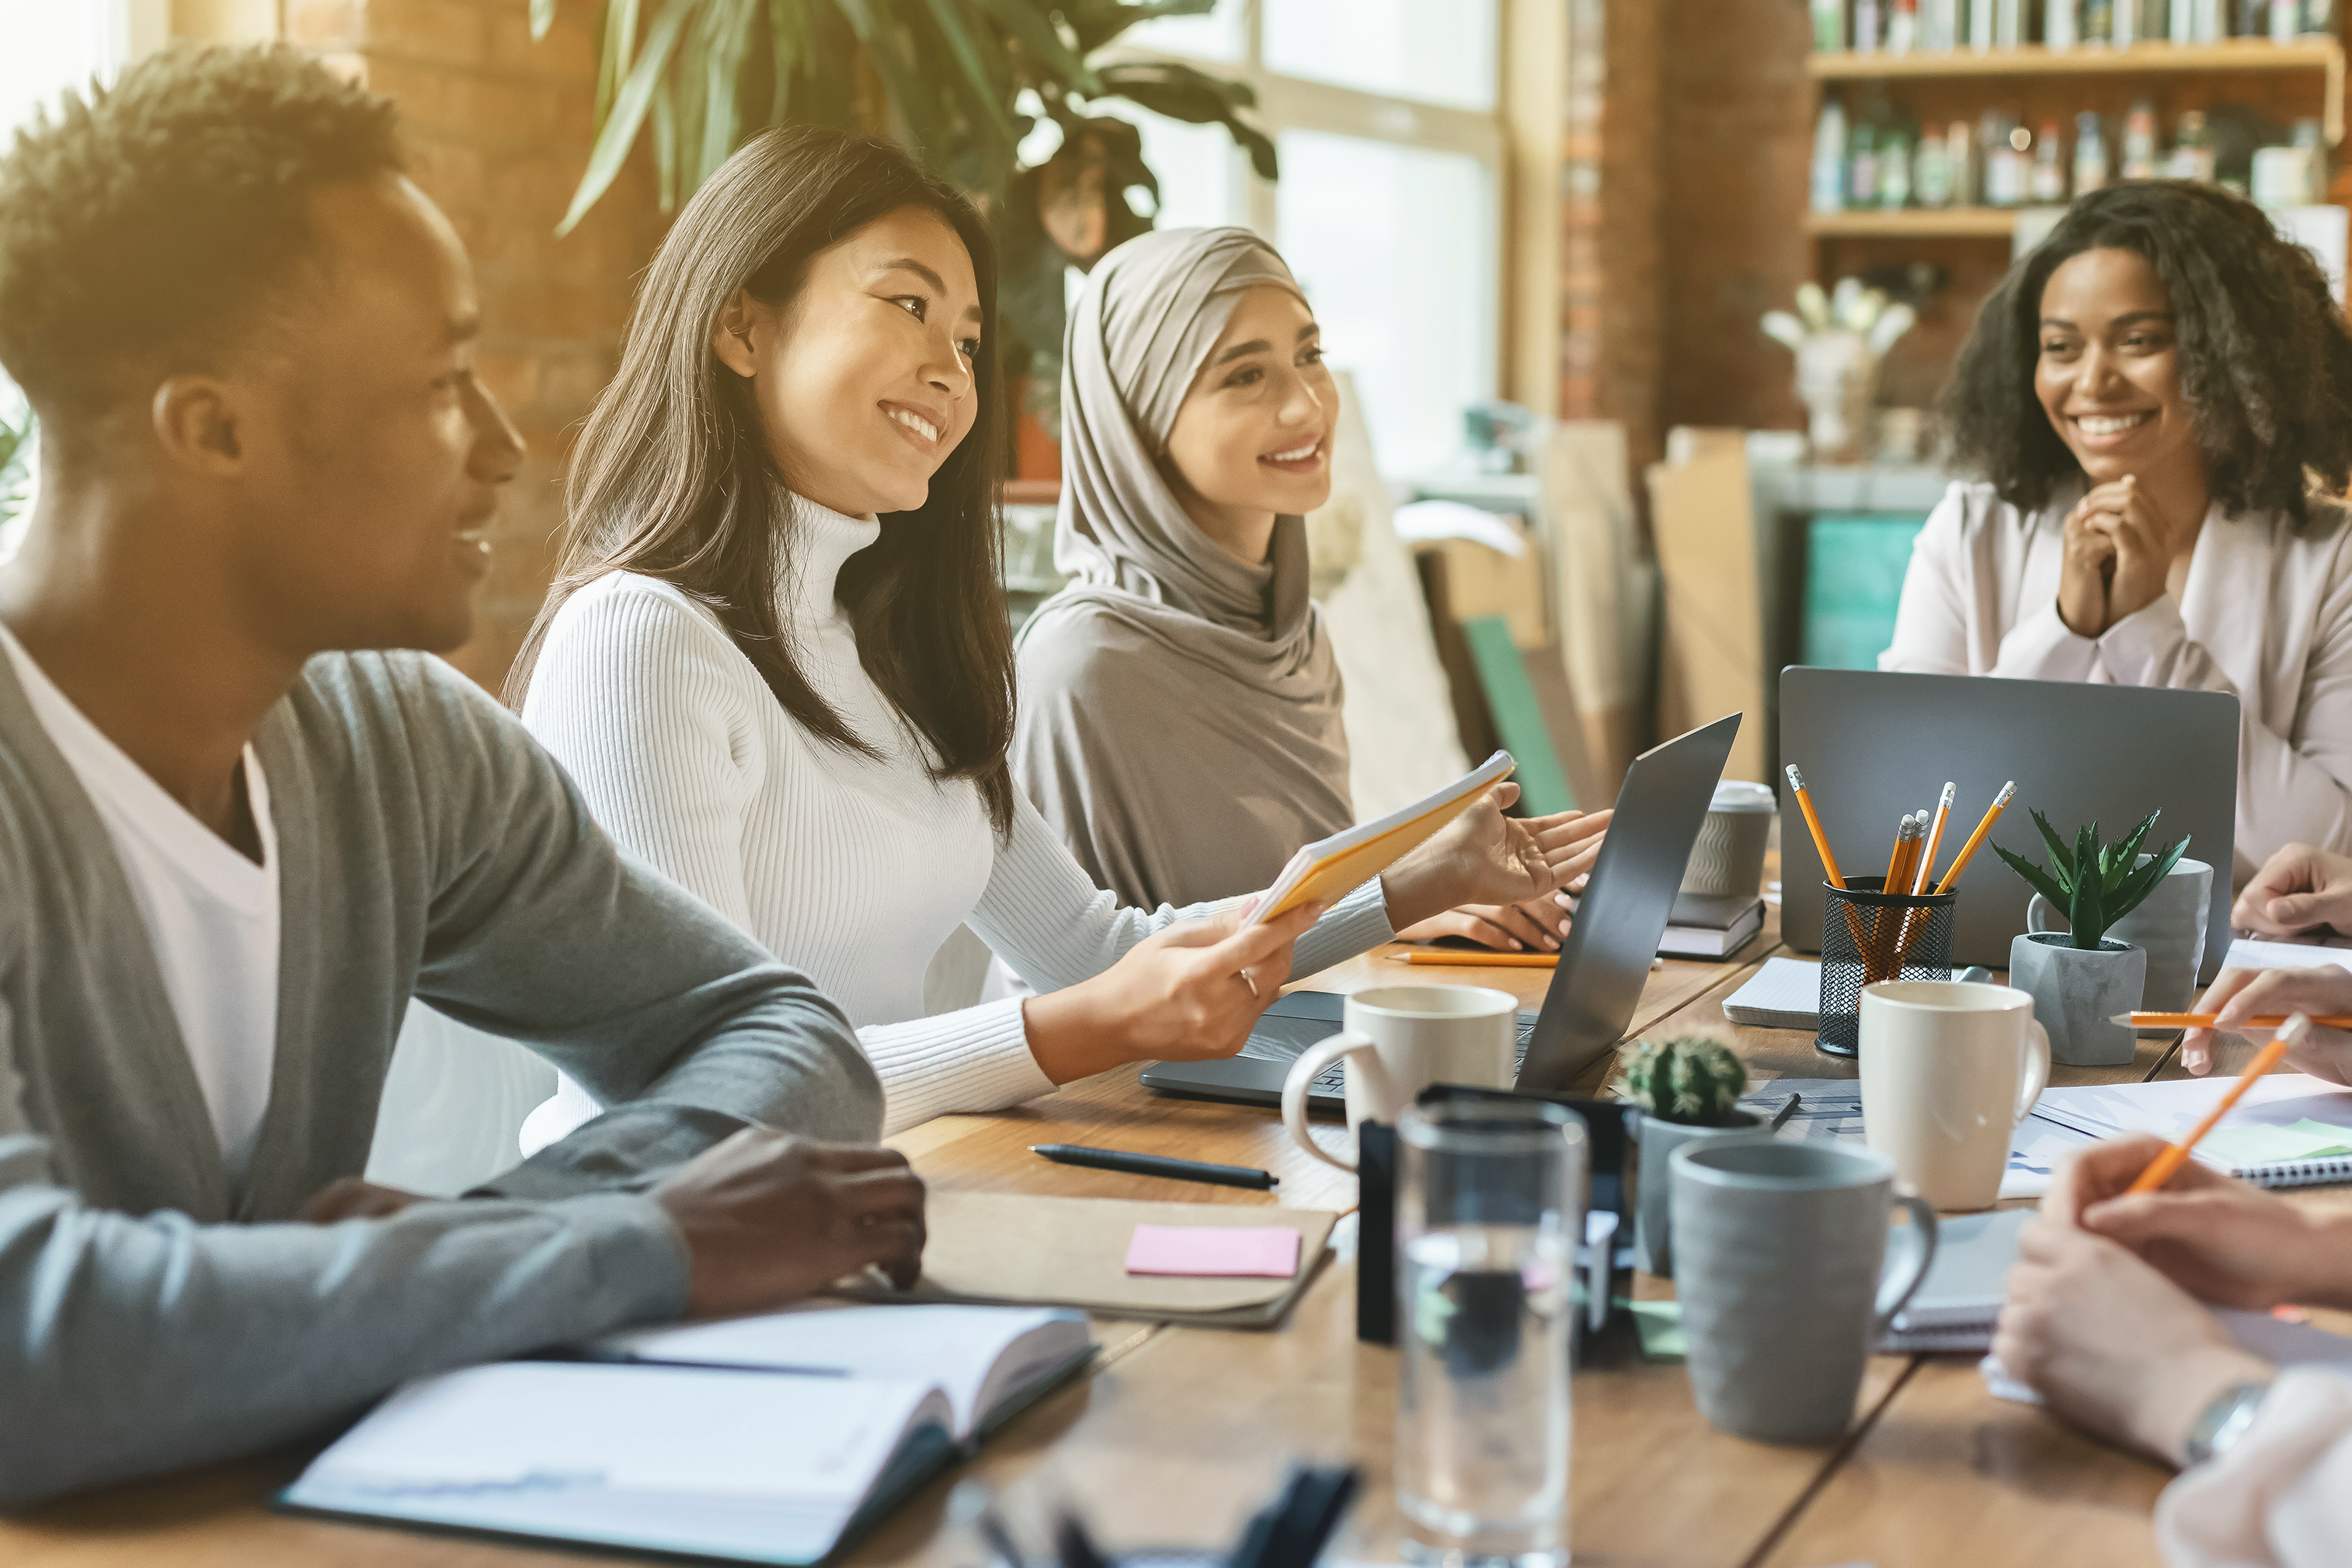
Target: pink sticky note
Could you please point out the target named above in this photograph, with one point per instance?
(1261, 1251)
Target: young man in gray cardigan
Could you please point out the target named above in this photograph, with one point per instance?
(265, 460)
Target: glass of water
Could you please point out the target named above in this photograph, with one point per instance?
(1490, 1199)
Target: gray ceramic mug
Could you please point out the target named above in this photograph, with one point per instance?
(2169, 926)
(1787, 1275)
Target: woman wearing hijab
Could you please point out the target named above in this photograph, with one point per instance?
(775, 658)
(1179, 700)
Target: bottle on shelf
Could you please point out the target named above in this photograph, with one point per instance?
(2180, 22)
(2125, 23)
(2007, 23)
(1940, 24)
(1980, 26)
(2319, 19)
(1829, 158)
(1862, 165)
(2058, 17)
(1829, 28)
(1967, 163)
(2192, 147)
(2204, 20)
(1895, 170)
(1903, 27)
(2286, 21)
(2253, 19)
(2099, 21)
(2047, 184)
(1866, 26)
(2139, 142)
(1931, 169)
(2005, 145)
(2090, 154)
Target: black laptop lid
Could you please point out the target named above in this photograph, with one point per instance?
(1605, 961)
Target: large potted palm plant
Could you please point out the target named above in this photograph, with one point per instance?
(962, 83)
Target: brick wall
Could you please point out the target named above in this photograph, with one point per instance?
(499, 131)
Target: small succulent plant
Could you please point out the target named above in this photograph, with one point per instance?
(2095, 884)
(1693, 1079)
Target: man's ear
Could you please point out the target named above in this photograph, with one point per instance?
(731, 335)
(195, 419)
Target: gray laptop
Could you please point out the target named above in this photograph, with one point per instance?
(1874, 745)
(1603, 964)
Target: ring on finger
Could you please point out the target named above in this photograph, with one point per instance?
(1250, 980)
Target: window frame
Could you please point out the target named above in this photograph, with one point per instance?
(1295, 103)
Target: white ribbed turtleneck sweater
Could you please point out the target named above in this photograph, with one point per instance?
(852, 869)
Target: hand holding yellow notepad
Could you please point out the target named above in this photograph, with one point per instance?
(1329, 868)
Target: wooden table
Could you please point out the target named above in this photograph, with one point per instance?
(1179, 1433)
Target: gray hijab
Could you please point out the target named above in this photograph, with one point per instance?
(1179, 722)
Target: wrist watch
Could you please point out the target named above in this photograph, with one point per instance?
(2225, 1420)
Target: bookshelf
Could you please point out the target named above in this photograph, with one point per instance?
(2232, 56)
(1914, 222)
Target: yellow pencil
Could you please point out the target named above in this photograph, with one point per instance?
(1813, 823)
(1455, 957)
(1975, 840)
(2161, 1169)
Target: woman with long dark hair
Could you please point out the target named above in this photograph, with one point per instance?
(2159, 400)
(777, 661)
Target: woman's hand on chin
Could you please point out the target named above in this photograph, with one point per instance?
(1484, 858)
(1191, 993)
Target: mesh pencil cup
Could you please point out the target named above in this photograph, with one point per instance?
(1868, 936)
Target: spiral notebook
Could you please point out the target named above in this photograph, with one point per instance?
(2291, 1130)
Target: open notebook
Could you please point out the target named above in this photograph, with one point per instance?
(2291, 1130)
(767, 1439)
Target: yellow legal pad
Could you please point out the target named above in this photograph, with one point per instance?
(1329, 868)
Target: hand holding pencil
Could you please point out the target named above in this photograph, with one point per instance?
(2240, 996)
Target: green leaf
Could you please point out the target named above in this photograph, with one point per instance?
(927, 118)
(984, 101)
(2040, 881)
(731, 28)
(615, 135)
(2087, 854)
(2086, 921)
(616, 52)
(1180, 92)
(1035, 31)
(2122, 856)
(2062, 859)
(543, 17)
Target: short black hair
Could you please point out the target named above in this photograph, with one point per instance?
(146, 225)
(2265, 357)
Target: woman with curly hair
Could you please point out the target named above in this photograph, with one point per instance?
(2159, 400)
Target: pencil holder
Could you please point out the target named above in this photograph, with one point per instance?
(1868, 936)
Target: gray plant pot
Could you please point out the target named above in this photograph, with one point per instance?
(1653, 1250)
(2075, 991)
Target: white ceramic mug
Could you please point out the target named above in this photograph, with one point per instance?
(1396, 1041)
(1950, 1068)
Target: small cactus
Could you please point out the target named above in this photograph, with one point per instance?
(1693, 1079)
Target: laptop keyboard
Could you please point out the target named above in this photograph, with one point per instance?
(1333, 1080)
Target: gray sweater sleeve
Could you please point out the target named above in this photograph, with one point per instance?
(136, 1343)
(131, 1343)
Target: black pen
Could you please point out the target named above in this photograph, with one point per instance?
(1153, 1164)
(1779, 1117)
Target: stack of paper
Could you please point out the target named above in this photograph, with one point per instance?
(2290, 1130)
(1786, 993)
